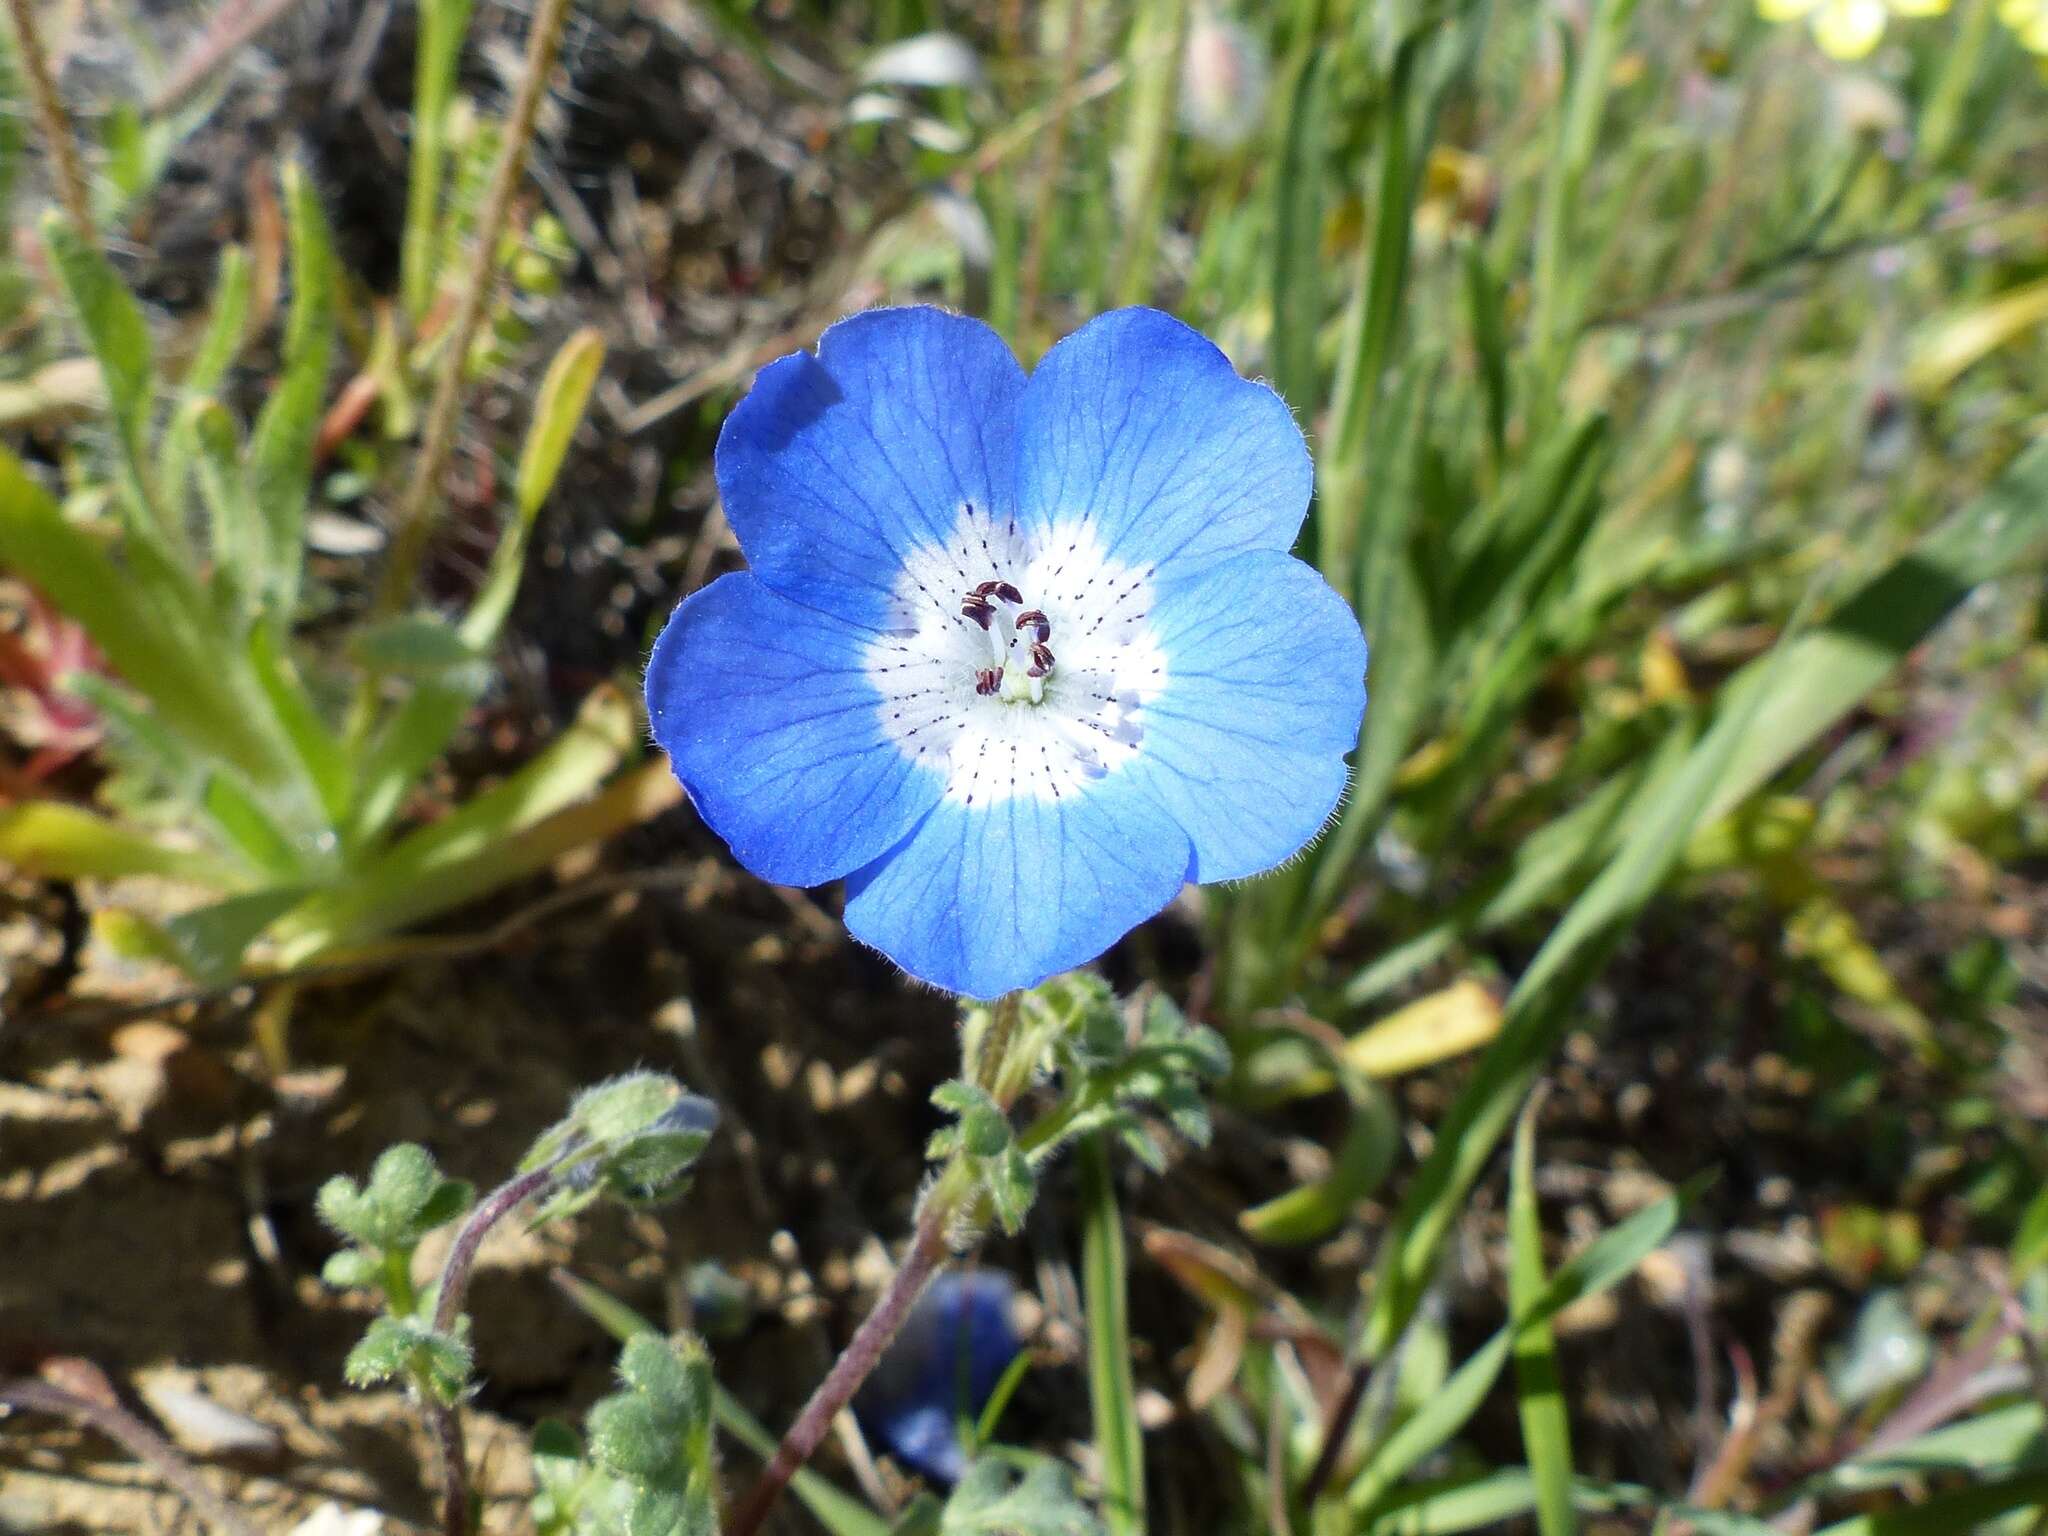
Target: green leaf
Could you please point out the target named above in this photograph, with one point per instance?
(152, 626)
(281, 448)
(351, 1269)
(213, 447)
(210, 941)
(226, 325)
(249, 829)
(1112, 1390)
(319, 750)
(1553, 315)
(1539, 1011)
(1948, 1514)
(2030, 1243)
(417, 645)
(409, 742)
(839, 1512)
(557, 412)
(395, 1347)
(998, 1497)
(1486, 309)
(509, 831)
(1546, 1430)
(1600, 1266)
(1363, 1161)
(1298, 237)
(2000, 1440)
(1158, 33)
(119, 337)
(1832, 667)
(64, 842)
(442, 27)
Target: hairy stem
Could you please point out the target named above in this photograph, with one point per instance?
(51, 121)
(133, 1436)
(417, 510)
(926, 1257)
(443, 1422)
(936, 1215)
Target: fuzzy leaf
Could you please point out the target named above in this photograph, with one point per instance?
(1034, 1499)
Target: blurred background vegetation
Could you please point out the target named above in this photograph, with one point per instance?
(1677, 377)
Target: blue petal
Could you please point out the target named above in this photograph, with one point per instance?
(1141, 424)
(1265, 691)
(775, 730)
(834, 466)
(984, 898)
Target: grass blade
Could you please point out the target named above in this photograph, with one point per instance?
(1951, 1513)
(1602, 1265)
(1839, 661)
(1157, 38)
(1112, 1393)
(1546, 1430)
(1297, 242)
(1539, 1010)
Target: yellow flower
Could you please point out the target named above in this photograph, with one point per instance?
(2029, 22)
(1849, 29)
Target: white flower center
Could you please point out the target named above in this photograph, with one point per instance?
(1017, 662)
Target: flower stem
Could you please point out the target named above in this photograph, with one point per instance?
(443, 1422)
(994, 1050)
(937, 1215)
(422, 495)
(51, 120)
(863, 1353)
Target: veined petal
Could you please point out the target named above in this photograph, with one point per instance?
(984, 898)
(1265, 690)
(835, 466)
(1139, 425)
(775, 729)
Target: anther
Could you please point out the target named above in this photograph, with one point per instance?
(1008, 593)
(1041, 660)
(1034, 618)
(988, 681)
(987, 589)
(981, 612)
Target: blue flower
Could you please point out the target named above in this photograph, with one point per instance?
(1015, 658)
(942, 1368)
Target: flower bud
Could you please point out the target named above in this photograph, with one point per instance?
(1223, 82)
(944, 1365)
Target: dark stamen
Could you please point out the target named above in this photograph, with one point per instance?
(1035, 618)
(1008, 593)
(982, 613)
(987, 588)
(988, 680)
(1041, 660)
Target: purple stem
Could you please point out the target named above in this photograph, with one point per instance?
(133, 1436)
(926, 1256)
(442, 1419)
